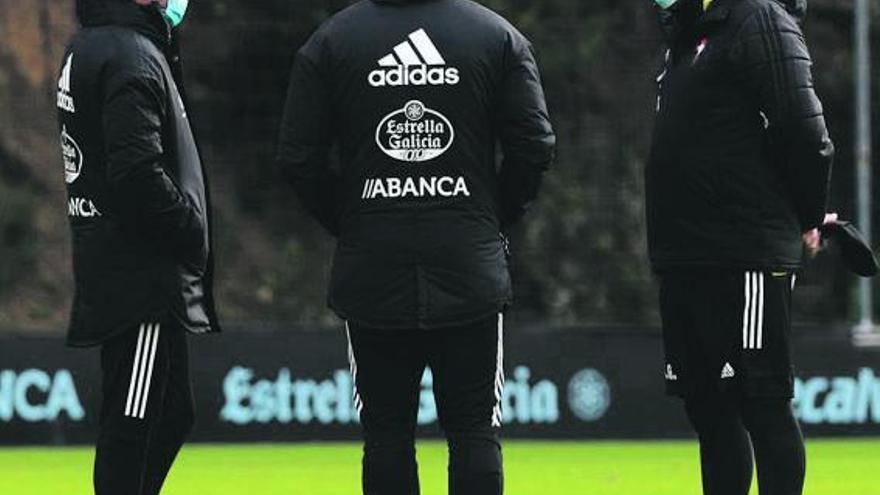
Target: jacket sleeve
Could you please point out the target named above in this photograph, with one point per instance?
(133, 115)
(526, 134)
(771, 56)
(305, 142)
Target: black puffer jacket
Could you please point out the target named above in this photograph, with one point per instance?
(416, 94)
(137, 195)
(741, 158)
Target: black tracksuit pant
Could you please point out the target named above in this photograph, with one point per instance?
(467, 365)
(147, 409)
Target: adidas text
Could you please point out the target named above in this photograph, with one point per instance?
(414, 62)
(414, 76)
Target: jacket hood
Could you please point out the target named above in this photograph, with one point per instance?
(797, 8)
(686, 13)
(400, 2)
(680, 18)
(147, 20)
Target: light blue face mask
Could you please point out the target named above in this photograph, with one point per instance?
(175, 11)
(665, 4)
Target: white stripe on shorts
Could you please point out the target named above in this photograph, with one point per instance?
(753, 311)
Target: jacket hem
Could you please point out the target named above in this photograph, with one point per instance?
(662, 266)
(157, 313)
(97, 342)
(416, 324)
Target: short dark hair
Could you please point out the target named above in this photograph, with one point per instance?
(89, 10)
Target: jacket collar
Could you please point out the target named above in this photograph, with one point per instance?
(147, 21)
(399, 2)
(797, 8)
(719, 10)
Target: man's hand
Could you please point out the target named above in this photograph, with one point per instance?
(813, 239)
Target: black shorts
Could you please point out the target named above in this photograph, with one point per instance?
(467, 368)
(727, 332)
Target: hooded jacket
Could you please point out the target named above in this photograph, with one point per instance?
(415, 95)
(138, 200)
(741, 158)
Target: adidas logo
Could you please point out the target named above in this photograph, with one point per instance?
(727, 371)
(415, 62)
(65, 101)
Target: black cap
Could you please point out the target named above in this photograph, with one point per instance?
(855, 251)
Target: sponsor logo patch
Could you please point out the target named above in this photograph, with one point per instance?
(72, 156)
(411, 187)
(82, 208)
(414, 133)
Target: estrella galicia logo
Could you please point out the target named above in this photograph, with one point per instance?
(414, 133)
(72, 155)
(589, 395)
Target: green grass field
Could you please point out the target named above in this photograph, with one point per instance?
(533, 468)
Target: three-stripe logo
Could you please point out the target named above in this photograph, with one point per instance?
(753, 311)
(142, 371)
(414, 62)
(64, 80)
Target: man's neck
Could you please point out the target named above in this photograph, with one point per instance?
(706, 4)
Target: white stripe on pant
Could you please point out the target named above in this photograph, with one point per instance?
(497, 413)
(142, 371)
(352, 363)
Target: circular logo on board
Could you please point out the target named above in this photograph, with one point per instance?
(589, 395)
(415, 133)
(72, 156)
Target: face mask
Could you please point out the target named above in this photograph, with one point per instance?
(175, 11)
(665, 4)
